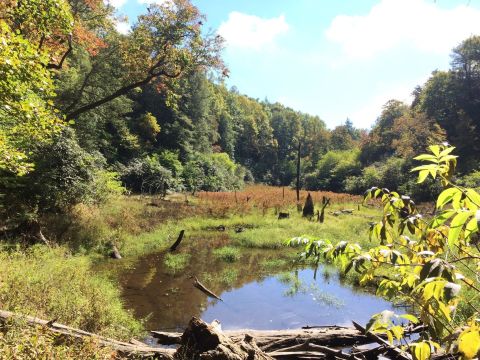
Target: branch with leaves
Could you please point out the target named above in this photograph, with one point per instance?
(427, 259)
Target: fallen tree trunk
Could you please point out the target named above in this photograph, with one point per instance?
(122, 348)
(271, 340)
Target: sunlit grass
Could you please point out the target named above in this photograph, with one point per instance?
(228, 254)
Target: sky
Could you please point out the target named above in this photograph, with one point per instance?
(337, 59)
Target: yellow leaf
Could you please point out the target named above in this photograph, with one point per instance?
(469, 343)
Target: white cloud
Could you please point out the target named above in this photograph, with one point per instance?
(421, 24)
(250, 31)
(365, 116)
(123, 27)
(116, 3)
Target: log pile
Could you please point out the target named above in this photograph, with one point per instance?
(202, 341)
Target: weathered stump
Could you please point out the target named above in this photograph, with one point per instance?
(207, 342)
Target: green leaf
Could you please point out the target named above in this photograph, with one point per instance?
(446, 151)
(426, 157)
(435, 149)
(422, 175)
(456, 226)
(421, 351)
(446, 196)
(472, 227)
(411, 318)
(473, 196)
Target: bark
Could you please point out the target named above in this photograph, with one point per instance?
(298, 171)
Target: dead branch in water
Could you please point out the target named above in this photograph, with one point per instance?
(206, 291)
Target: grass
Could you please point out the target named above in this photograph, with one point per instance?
(176, 262)
(228, 254)
(60, 282)
(52, 284)
(18, 341)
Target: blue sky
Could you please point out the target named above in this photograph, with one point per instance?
(335, 58)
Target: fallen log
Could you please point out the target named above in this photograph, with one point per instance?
(178, 241)
(206, 291)
(271, 340)
(122, 348)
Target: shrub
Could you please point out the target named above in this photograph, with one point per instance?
(146, 175)
(332, 169)
(212, 172)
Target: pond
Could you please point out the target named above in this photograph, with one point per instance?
(260, 290)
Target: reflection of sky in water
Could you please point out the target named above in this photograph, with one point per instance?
(269, 304)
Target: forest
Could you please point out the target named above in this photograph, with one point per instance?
(105, 137)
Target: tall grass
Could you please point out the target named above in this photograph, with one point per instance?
(52, 284)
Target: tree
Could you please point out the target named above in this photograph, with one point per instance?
(27, 115)
(164, 44)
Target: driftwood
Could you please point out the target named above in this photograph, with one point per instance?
(122, 348)
(178, 241)
(206, 291)
(272, 340)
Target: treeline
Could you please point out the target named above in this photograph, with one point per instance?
(87, 112)
(445, 108)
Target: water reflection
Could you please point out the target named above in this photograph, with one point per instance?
(253, 298)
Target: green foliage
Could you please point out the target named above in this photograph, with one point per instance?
(64, 175)
(212, 172)
(332, 169)
(417, 258)
(26, 115)
(146, 175)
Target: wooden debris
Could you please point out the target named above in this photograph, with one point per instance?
(178, 241)
(203, 341)
(271, 340)
(206, 291)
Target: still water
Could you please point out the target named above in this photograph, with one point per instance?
(253, 296)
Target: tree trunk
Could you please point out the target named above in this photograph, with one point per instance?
(298, 171)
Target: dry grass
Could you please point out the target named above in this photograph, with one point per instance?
(263, 197)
